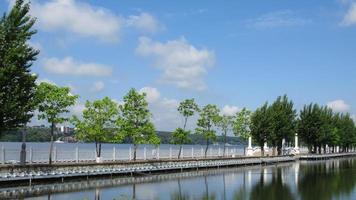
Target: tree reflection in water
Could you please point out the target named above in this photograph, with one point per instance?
(333, 179)
(275, 189)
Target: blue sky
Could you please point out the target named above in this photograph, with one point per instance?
(234, 54)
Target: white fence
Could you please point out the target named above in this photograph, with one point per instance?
(78, 154)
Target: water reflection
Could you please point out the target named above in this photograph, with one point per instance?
(332, 179)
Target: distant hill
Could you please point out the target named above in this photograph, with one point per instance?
(42, 134)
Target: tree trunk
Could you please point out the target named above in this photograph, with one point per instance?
(135, 149)
(180, 151)
(51, 145)
(207, 146)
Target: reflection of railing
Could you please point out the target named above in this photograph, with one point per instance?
(12, 156)
(73, 186)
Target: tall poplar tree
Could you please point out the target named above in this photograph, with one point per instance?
(209, 117)
(17, 83)
(180, 136)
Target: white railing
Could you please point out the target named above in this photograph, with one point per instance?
(78, 154)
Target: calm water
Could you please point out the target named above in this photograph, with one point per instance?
(332, 179)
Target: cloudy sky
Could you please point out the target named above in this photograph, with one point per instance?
(234, 54)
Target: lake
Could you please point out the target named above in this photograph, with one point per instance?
(310, 180)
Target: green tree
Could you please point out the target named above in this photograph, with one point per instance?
(209, 117)
(98, 124)
(54, 101)
(180, 136)
(315, 126)
(17, 84)
(347, 132)
(225, 124)
(283, 119)
(261, 126)
(135, 121)
(186, 108)
(242, 124)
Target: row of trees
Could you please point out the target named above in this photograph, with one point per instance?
(317, 126)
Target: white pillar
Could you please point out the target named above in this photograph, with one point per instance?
(249, 151)
(265, 147)
(219, 152)
(202, 152)
(249, 142)
(296, 147)
(192, 152)
(327, 148)
(283, 145)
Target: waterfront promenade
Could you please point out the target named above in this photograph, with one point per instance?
(28, 174)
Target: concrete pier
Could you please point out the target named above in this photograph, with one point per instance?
(26, 175)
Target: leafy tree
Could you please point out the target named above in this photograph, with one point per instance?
(53, 103)
(261, 125)
(180, 136)
(347, 132)
(242, 124)
(209, 117)
(309, 124)
(17, 84)
(98, 124)
(186, 108)
(283, 117)
(225, 124)
(135, 121)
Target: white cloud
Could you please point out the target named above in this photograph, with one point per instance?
(69, 66)
(76, 17)
(164, 110)
(45, 80)
(350, 16)
(152, 94)
(182, 64)
(284, 18)
(230, 110)
(77, 109)
(144, 22)
(338, 106)
(98, 86)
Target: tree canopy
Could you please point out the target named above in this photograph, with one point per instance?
(17, 83)
(135, 120)
(98, 123)
(53, 103)
(208, 119)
